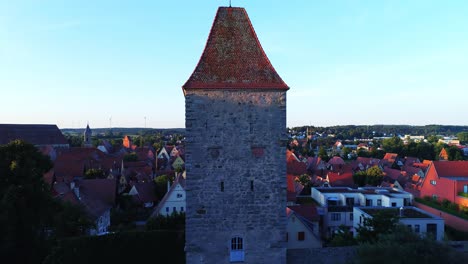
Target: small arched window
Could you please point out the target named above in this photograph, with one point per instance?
(237, 249)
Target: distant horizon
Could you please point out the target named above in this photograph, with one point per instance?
(123, 64)
(286, 127)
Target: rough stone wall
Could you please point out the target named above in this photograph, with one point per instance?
(235, 139)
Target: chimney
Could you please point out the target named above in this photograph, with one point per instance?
(72, 185)
(168, 185)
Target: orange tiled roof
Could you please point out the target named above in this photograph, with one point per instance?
(233, 57)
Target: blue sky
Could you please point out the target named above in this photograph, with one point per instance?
(347, 62)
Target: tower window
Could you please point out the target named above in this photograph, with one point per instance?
(251, 185)
(222, 186)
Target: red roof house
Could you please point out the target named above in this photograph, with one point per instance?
(445, 180)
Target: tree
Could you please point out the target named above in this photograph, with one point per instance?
(463, 137)
(343, 237)
(382, 222)
(129, 157)
(372, 176)
(454, 153)
(323, 154)
(30, 218)
(405, 246)
(95, 173)
(161, 185)
(393, 145)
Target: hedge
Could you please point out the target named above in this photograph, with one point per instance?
(124, 247)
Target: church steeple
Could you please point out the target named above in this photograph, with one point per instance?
(87, 137)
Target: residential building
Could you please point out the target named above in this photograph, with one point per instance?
(446, 180)
(38, 135)
(174, 201)
(303, 227)
(336, 203)
(417, 220)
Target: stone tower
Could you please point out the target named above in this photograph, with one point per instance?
(87, 137)
(235, 109)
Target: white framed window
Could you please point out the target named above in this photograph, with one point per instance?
(335, 216)
(433, 182)
(237, 249)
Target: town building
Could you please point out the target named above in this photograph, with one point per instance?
(417, 220)
(337, 203)
(38, 135)
(174, 201)
(446, 180)
(235, 137)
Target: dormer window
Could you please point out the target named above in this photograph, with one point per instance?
(433, 182)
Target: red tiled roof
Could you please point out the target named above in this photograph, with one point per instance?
(392, 173)
(451, 168)
(336, 161)
(390, 157)
(233, 57)
(309, 212)
(340, 179)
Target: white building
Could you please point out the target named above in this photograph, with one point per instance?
(174, 200)
(417, 220)
(336, 203)
(303, 227)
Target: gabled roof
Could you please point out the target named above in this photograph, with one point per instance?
(308, 212)
(34, 134)
(145, 192)
(451, 168)
(178, 180)
(443, 154)
(340, 179)
(233, 57)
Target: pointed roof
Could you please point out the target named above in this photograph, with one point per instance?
(233, 57)
(87, 130)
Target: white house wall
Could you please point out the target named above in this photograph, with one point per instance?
(175, 200)
(295, 226)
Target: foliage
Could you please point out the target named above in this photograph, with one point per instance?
(175, 221)
(322, 153)
(405, 246)
(454, 153)
(30, 218)
(304, 179)
(161, 185)
(463, 137)
(343, 237)
(393, 145)
(129, 157)
(95, 174)
(453, 234)
(382, 222)
(447, 206)
(74, 140)
(372, 176)
(123, 247)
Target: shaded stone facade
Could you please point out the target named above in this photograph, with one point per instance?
(236, 184)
